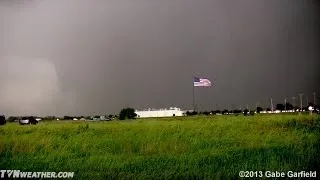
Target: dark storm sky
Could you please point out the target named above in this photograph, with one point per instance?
(82, 57)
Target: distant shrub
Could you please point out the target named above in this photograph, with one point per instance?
(236, 112)
(193, 113)
(225, 111)
(259, 109)
(12, 119)
(67, 118)
(206, 113)
(245, 112)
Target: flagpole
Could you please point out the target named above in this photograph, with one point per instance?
(193, 94)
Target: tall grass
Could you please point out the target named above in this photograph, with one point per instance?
(167, 148)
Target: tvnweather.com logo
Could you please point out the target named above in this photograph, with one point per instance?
(22, 174)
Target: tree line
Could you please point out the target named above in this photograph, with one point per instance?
(129, 113)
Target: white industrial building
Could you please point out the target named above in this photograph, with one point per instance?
(172, 111)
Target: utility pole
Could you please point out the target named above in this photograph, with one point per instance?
(285, 104)
(271, 105)
(307, 101)
(300, 94)
(314, 98)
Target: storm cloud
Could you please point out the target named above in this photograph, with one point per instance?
(81, 57)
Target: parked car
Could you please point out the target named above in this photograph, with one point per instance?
(27, 120)
(3, 120)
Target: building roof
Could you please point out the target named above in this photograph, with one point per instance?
(153, 109)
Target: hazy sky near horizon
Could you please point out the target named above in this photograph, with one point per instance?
(84, 57)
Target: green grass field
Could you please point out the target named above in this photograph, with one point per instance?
(213, 147)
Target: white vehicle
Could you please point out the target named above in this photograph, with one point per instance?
(311, 108)
(27, 120)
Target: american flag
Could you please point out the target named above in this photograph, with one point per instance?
(201, 82)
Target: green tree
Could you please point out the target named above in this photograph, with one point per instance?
(2, 120)
(280, 107)
(12, 119)
(289, 106)
(127, 113)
